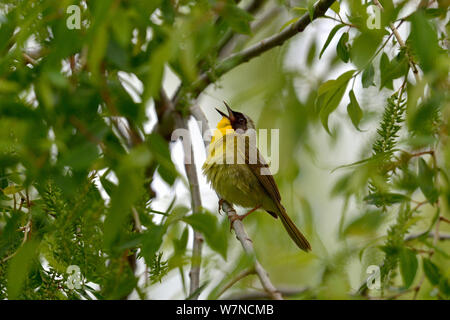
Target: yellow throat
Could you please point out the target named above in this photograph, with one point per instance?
(221, 129)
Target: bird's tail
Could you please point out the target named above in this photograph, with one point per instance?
(292, 230)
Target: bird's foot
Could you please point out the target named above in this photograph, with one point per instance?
(235, 216)
(220, 205)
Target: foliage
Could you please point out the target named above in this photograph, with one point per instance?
(85, 145)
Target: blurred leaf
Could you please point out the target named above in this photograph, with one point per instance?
(391, 70)
(12, 189)
(108, 185)
(432, 271)
(288, 23)
(160, 151)
(367, 76)
(310, 4)
(181, 244)
(159, 57)
(336, 7)
(299, 10)
(342, 48)
(408, 266)
(364, 224)
(237, 18)
(364, 47)
(424, 41)
(311, 53)
(215, 235)
(329, 96)
(426, 182)
(177, 214)
(151, 242)
(380, 199)
(168, 11)
(19, 268)
(330, 37)
(354, 110)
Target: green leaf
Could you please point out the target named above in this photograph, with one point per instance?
(160, 151)
(354, 110)
(177, 214)
(381, 199)
(408, 266)
(367, 76)
(288, 23)
(431, 271)
(364, 224)
(384, 70)
(299, 10)
(311, 54)
(330, 94)
(19, 268)
(151, 242)
(364, 47)
(330, 37)
(108, 185)
(168, 11)
(237, 18)
(311, 9)
(12, 189)
(426, 181)
(342, 49)
(336, 7)
(391, 70)
(158, 59)
(215, 235)
(424, 41)
(181, 244)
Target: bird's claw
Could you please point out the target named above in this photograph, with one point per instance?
(220, 205)
(233, 218)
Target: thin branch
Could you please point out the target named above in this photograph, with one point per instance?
(429, 235)
(233, 281)
(262, 46)
(402, 44)
(247, 244)
(137, 221)
(191, 173)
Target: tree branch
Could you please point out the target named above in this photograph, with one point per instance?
(253, 51)
(191, 173)
(429, 235)
(247, 244)
(239, 277)
(402, 44)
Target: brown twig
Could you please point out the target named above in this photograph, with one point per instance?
(233, 281)
(402, 45)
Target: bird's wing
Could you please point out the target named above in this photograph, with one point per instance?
(261, 166)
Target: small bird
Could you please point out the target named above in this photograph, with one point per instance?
(238, 179)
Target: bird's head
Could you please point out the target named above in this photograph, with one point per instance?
(237, 120)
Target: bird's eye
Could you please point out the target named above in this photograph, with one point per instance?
(241, 120)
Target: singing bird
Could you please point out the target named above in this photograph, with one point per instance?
(241, 179)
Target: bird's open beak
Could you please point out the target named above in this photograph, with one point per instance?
(230, 112)
(221, 113)
(230, 115)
